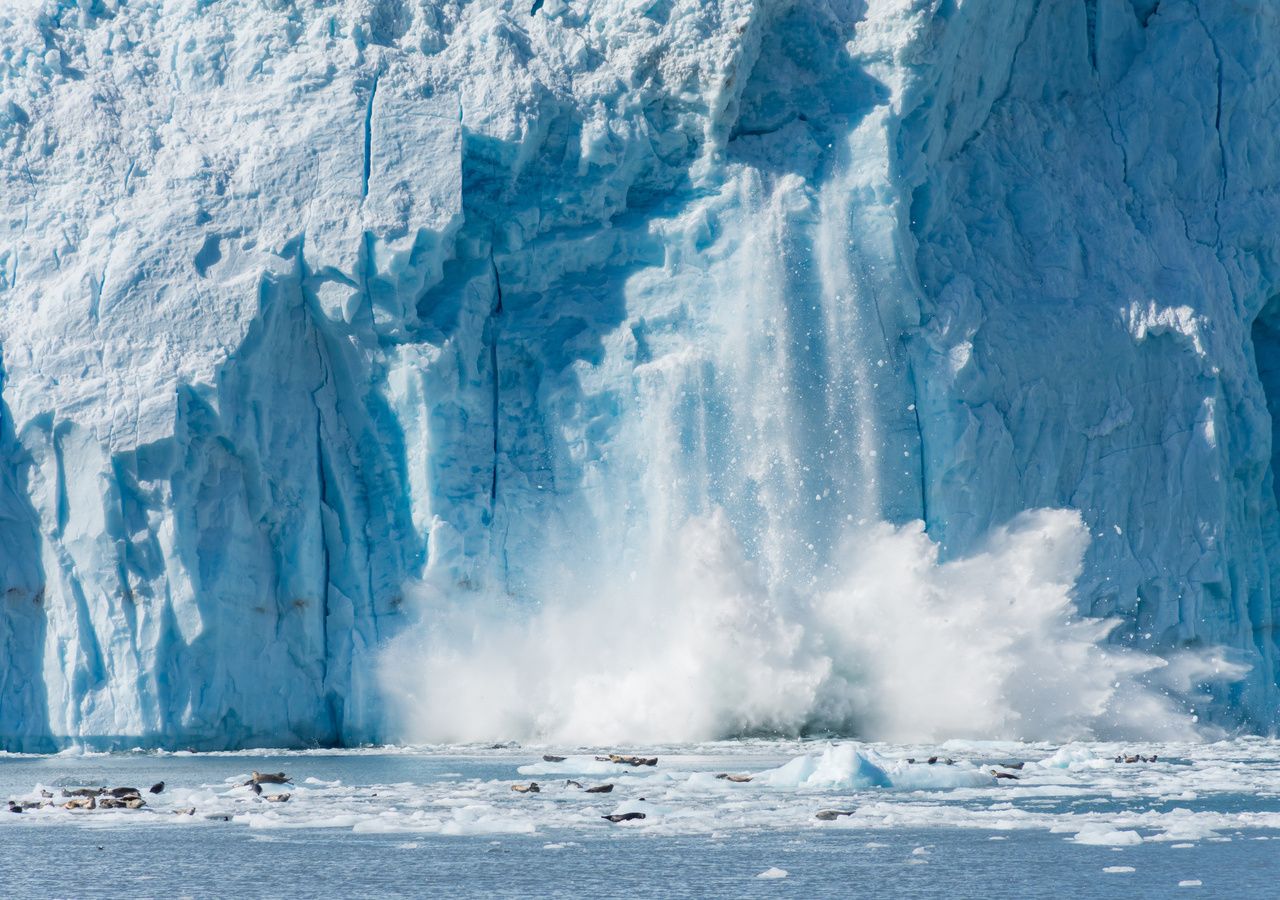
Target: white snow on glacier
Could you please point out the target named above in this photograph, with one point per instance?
(311, 310)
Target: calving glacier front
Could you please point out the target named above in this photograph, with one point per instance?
(308, 312)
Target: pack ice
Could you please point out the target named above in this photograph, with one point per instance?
(301, 303)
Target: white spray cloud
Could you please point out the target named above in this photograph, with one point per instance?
(897, 645)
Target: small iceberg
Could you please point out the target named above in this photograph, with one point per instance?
(851, 766)
(839, 767)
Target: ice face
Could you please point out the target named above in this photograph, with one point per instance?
(300, 305)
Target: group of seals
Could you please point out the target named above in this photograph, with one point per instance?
(21, 806)
(131, 797)
(629, 760)
(258, 779)
(89, 798)
(533, 787)
(1136, 759)
(104, 798)
(612, 757)
(616, 758)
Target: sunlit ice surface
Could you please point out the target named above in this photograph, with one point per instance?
(1075, 818)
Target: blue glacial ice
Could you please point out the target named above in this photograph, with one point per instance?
(320, 323)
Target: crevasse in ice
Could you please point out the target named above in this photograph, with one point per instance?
(302, 302)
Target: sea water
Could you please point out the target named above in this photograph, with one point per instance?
(444, 821)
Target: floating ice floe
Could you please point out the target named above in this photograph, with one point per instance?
(1073, 758)
(1103, 835)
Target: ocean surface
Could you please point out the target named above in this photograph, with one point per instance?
(1200, 819)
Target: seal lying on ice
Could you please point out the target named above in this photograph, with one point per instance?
(624, 817)
(629, 760)
(134, 802)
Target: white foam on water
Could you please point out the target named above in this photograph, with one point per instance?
(892, 643)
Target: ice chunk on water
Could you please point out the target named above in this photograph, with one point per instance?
(853, 766)
(1106, 835)
(1072, 757)
(839, 767)
(482, 818)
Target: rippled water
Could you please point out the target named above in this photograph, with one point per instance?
(413, 822)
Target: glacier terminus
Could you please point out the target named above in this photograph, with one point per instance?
(636, 369)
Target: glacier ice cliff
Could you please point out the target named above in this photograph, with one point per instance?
(301, 302)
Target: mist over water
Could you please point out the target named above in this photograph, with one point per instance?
(896, 645)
